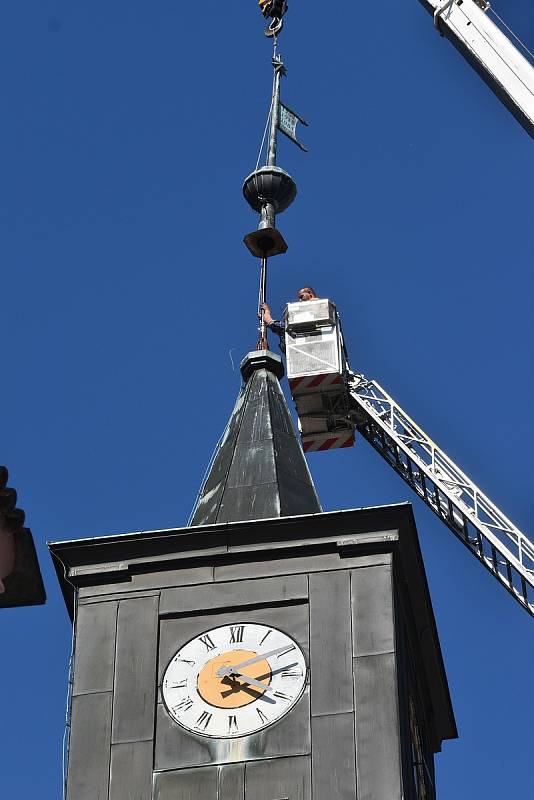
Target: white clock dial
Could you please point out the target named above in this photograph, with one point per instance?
(234, 680)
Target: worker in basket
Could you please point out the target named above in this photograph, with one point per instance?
(275, 325)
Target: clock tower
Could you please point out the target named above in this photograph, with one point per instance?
(287, 657)
(268, 650)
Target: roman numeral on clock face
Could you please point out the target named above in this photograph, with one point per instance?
(283, 696)
(232, 724)
(262, 716)
(175, 685)
(266, 635)
(207, 641)
(236, 633)
(204, 720)
(287, 650)
(291, 673)
(184, 661)
(183, 705)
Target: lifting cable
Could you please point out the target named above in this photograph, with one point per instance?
(264, 136)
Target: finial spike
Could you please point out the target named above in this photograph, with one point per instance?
(270, 190)
(262, 329)
(279, 70)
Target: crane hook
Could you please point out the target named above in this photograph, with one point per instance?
(274, 27)
(275, 9)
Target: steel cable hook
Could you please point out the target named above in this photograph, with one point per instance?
(274, 27)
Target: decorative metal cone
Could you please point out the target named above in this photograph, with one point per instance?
(259, 470)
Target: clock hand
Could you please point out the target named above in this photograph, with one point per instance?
(229, 670)
(252, 681)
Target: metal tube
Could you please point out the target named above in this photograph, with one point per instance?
(264, 280)
(275, 117)
(262, 341)
(267, 216)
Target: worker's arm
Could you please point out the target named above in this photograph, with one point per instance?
(274, 325)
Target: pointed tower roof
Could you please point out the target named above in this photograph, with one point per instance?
(259, 469)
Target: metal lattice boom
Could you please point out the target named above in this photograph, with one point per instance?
(501, 547)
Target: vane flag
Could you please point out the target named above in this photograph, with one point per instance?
(287, 123)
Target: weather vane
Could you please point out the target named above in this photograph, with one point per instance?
(269, 190)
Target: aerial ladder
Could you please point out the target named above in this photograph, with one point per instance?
(468, 24)
(333, 404)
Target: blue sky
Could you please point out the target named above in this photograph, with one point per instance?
(128, 128)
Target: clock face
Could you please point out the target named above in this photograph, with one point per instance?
(233, 680)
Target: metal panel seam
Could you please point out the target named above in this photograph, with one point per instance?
(355, 706)
(156, 692)
(397, 684)
(309, 676)
(374, 653)
(112, 697)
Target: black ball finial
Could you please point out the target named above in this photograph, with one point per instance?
(270, 185)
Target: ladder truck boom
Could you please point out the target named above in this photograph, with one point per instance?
(490, 536)
(333, 404)
(489, 51)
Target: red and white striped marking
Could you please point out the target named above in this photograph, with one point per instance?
(315, 383)
(314, 443)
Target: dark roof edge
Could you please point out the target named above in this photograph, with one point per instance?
(14, 517)
(219, 526)
(23, 583)
(426, 624)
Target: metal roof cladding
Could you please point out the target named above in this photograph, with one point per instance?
(259, 469)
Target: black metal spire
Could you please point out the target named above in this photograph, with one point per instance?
(259, 469)
(270, 190)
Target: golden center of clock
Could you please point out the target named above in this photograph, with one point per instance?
(232, 691)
